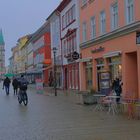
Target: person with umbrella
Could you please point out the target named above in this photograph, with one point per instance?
(6, 84)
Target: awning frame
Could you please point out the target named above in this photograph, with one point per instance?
(111, 54)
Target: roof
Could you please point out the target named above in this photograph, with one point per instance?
(1, 38)
(63, 4)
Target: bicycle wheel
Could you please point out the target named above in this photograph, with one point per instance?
(25, 99)
(19, 99)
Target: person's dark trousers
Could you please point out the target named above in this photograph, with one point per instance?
(118, 99)
(7, 89)
(15, 91)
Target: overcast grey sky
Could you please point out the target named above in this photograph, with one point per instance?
(22, 17)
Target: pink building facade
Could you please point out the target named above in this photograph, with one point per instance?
(109, 42)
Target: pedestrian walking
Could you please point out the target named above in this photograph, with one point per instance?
(51, 80)
(117, 87)
(6, 85)
(15, 84)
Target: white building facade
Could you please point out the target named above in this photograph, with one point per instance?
(69, 15)
(54, 20)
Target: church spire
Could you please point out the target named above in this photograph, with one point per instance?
(1, 38)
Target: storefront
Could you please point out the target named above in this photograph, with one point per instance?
(88, 67)
(59, 76)
(117, 59)
(71, 76)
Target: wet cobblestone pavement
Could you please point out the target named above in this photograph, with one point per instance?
(60, 118)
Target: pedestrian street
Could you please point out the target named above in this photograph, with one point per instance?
(62, 117)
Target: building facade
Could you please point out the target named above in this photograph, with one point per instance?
(22, 54)
(11, 63)
(54, 20)
(41, 52)
(69, 18)
(109, 42)
(15, 54)
(2, 54)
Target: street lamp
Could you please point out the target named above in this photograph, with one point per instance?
(15, 69)
(55, 84)
(25, 69)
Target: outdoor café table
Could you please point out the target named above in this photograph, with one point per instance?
(112, 105)
(99, 101)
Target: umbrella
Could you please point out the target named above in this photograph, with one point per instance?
(9, 74)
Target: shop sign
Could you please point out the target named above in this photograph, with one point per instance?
(75, 56)
(138, 38)
(96, 50)
(39, 86)
(72, 57)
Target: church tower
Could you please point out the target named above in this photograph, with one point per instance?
(2, 54)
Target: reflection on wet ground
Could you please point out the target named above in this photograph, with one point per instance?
(60, 118)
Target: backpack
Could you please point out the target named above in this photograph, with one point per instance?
(23, 84)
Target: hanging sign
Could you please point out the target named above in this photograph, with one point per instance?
(75, 56)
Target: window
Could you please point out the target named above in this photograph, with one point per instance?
(93, 28)
(73, 11)
(69, 17)
(69, 44)
(64, 47)
(102, 22)
(114, 16)
(63, 22)
(138, 38)
(84, 32)
(129, 11)
(84, 2)
(74, 42)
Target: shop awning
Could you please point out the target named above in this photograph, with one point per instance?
(47, 61)
(87, 59)
(111, 54)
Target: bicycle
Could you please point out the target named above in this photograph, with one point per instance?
(22, 97)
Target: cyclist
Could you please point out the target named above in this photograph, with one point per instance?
(23, 85)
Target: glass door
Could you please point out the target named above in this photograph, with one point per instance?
(88, 75)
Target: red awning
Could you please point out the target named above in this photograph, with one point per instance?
(47, 61)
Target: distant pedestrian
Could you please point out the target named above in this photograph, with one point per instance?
(51, 80)
(6, 85)
(117, 87)
(15, 84)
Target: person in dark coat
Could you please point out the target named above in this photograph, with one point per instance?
(6, 84)
(117, 86)
(15, 84)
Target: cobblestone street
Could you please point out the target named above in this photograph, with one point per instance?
(60, 118)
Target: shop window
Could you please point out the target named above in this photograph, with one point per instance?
(115, 67)
(88, 75)
(100, 61)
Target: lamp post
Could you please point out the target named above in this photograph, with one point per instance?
(55, 84)
(25, 69)
(15, 69)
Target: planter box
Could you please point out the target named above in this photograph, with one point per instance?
(89, 99)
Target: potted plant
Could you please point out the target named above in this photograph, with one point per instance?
(88, 97)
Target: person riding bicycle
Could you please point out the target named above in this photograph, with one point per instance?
(23, 83)
(22, 95)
